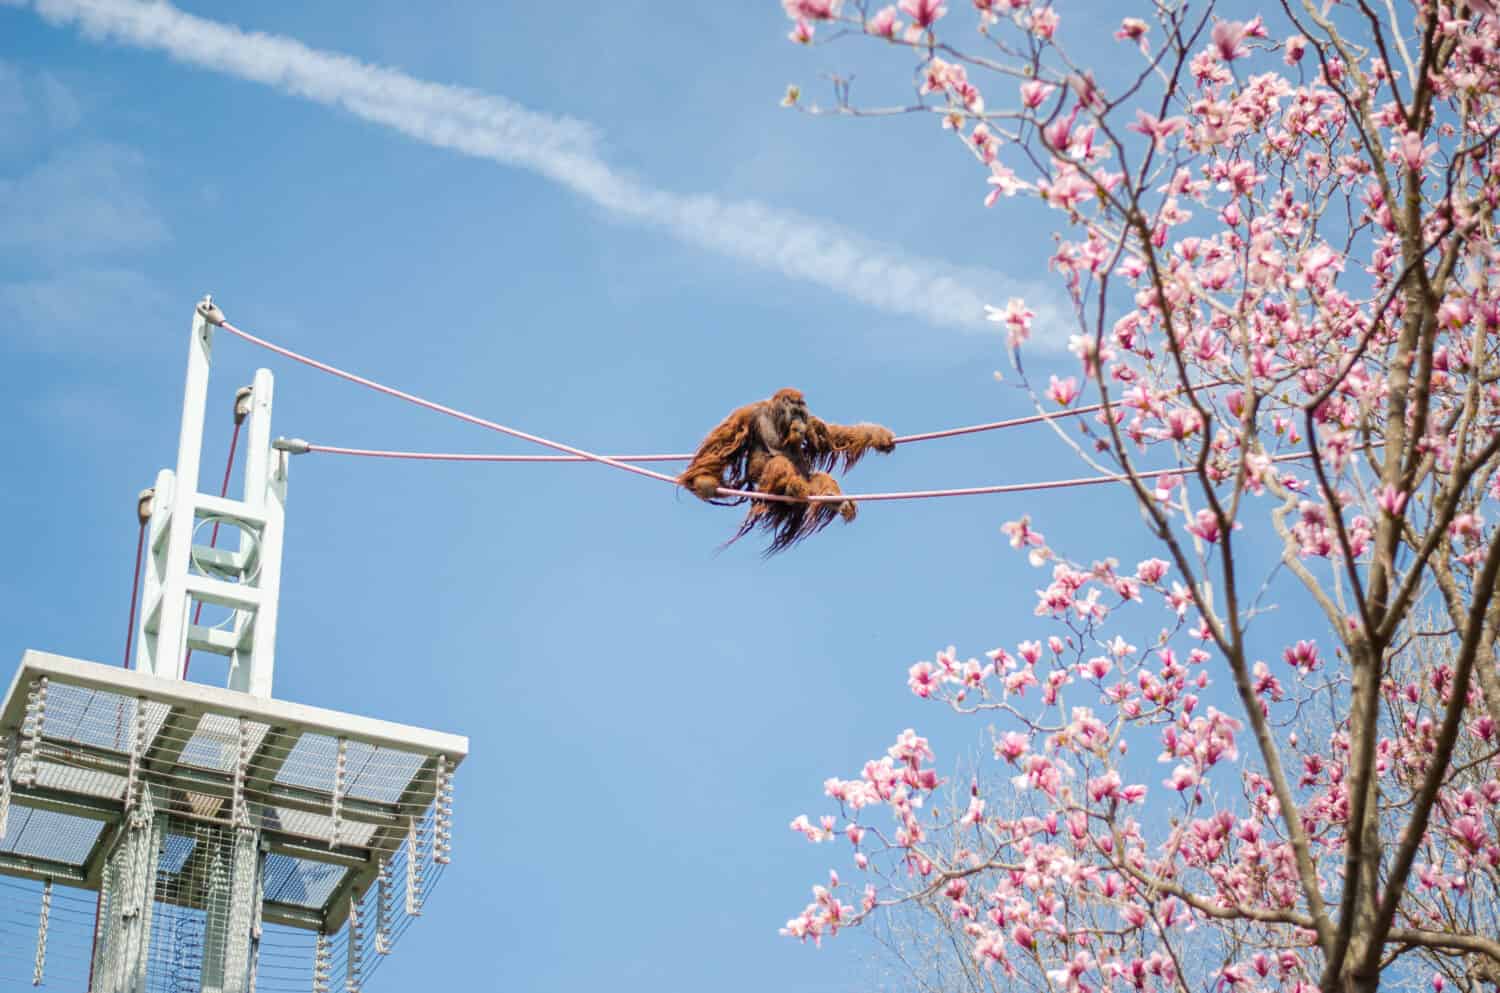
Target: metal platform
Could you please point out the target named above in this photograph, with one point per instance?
(239, 809)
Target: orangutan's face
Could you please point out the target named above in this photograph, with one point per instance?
(792, 416)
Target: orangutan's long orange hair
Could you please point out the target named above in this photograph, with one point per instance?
(777, 446)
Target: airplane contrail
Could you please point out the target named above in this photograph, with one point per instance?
(564, 150)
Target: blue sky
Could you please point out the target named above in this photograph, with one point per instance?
(646, 716)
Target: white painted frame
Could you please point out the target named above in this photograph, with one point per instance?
(166, 631)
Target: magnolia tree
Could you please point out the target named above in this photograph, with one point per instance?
(1278, 238)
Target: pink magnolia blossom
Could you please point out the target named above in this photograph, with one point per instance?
(1469, 831)
(1034, 93)
(1044, 21)
(1468, 526)
(813, 833)
(1132, 29)
(1016, 317)
(1410, 151)
(1205, 525)
(923, 679)
(1021, 535)
(1012, 746)
(1005, 183)
(1282, 296)
(1227, 38)
(812, 10)
(1303, 655)
(884, 24)
(1391, 500)
(1063, 391)
(924, 13)
(1156, 129)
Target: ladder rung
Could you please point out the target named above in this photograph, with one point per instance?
(216, 640)
(221, 559)
(224, 594)
(235, 510)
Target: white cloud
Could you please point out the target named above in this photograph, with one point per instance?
(80, 309)
(33, 105)
(58, 103)
(82, 204)
(10, 86)
(15, 111)
(562, 149)
(86, 200)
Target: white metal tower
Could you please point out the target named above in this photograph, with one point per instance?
(181, 572)
(210, 823)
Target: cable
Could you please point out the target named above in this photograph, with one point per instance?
(620, 463)
(94, 943)
(1051, 484)
(143, 513)
(1013, 422)
(439, 408)
(241, 408)
(481, 457)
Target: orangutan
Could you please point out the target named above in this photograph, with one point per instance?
(777, 446)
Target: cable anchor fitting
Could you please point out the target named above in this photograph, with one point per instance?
(209, 311)
(292, 446)
(242, 403)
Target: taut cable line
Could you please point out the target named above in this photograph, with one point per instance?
(630, 463)
(440, 408)
(381, 453)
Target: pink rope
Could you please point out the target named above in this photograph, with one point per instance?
(381, 453)
(135, 588)
(1013, 422)
(440, 409)
(1051, 484)
(624, 462)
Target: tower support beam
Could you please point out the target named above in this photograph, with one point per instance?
(181, 573)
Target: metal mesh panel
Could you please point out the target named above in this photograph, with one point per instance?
(46, 834)
(371, 772)
(193, 916)
(301, 882)
(190, 911)
(289, 958)
(176, 953)
(215, 742)
(320, 827)
(382, 927)
(380, 774)
(97, 718)
(86, 782)
(227, 835)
